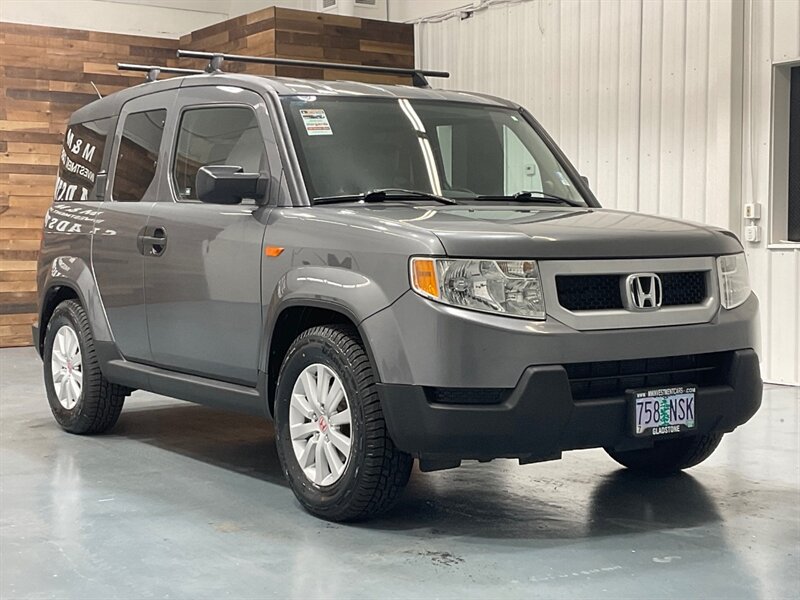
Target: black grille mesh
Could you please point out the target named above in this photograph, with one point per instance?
(604, 292)
(589, 292)
(683, 288)
(611, 378)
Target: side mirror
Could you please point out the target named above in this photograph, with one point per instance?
(228, 184)
(585, 180)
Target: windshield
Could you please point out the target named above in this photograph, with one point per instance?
(348, 146)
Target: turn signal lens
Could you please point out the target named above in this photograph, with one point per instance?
(273, 251)
(423, 277)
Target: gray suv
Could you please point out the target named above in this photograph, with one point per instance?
(388, 273)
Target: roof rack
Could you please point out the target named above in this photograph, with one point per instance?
(215, 62)
(153, 71)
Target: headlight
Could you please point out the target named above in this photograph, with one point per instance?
(510, 287)
(734, 282)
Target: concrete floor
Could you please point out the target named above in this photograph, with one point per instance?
(180, 501)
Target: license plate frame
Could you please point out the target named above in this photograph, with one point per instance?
(641, 406)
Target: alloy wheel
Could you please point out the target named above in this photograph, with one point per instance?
(66, 366)
(320, 424)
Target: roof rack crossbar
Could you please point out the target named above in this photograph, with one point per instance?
(153, 71)
(215, 62)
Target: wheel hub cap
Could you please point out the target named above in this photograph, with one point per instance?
(320, 424)
(66, 366)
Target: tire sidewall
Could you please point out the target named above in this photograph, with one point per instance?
(304, 352)
(67, 418)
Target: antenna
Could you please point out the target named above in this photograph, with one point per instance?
(99, 95)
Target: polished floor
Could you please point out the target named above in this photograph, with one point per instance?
(180, 501)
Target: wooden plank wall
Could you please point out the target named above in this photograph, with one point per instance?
(45, 74)
(289, 33)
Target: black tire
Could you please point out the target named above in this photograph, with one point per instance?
(376, 471)
(100, 402)
(669, 456)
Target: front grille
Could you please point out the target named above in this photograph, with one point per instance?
(612, 377)
(604, 292)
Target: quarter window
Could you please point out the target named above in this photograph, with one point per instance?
(216, 136)
(81, 160)
(138, 155)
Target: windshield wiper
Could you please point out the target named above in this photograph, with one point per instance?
(534, 197)
(381, 194)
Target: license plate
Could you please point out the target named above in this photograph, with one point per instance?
(663, 410)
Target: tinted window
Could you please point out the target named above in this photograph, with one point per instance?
(81, 160)
(352, 145)
(216, 136)
(138, 155)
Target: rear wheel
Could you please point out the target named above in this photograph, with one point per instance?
(669, 456)
(80, 398)
(331, 436)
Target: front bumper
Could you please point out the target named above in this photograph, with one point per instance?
(540, 418)
(420, 342)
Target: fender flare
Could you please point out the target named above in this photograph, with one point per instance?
(339, 290)
(74, 273)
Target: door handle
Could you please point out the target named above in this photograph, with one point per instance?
(152, 241)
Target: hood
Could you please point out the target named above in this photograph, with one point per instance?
(553, 232)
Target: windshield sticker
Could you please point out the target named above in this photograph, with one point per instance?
(316, 121)
(564, 180)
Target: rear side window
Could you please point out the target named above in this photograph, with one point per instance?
(138, 155)
(227, 135)
(81, 160)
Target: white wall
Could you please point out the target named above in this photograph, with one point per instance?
(647, 100)
(156, 18)
(772, 34)
(242, 7)
(403, 11)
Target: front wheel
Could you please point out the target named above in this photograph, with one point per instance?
(332, 439)
(669, 456)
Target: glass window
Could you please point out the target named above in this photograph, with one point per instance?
(353, 145)
(793, 208)
(216, 136)
(138, 155)
(81, 160)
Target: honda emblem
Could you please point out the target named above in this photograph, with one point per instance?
(643, 291)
